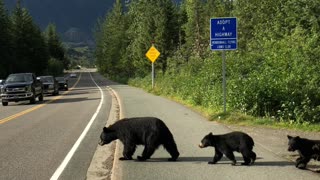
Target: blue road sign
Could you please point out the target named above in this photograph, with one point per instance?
(223, 33)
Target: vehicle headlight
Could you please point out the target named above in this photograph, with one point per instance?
(28, 88)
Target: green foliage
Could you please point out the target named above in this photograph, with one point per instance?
(55, 47)
(29, 47)
(111, 43)
(273, 74)
(55, 67)
(5, 43)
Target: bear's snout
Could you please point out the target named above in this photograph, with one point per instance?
(201, 145)
(101, 143)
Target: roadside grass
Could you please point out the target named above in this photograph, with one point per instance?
(234, 117)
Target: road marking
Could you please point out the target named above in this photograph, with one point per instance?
(66, 160)
(2, 121)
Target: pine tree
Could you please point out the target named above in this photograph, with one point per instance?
(28, 44)
(5, 43)
(55, 47)
(112, 42)
(153, 22)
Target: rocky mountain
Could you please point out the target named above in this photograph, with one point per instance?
(70, 16)
(74, 19)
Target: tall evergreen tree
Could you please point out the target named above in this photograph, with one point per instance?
(152, 22)
(55, 47)
(5, 43)
(30, 51)
(111, 42)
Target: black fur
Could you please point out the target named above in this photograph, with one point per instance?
(307, 149)
(316, 149)
(148, 131)
(228, 143)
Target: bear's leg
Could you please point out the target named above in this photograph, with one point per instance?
(172, 149)
(147, 153)
(253, 157)
(128, 151)
(246, 159)
(218, 155)
(302, 162)
(230, 156)
(248, 156)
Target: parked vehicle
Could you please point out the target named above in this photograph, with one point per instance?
(50, 85)
(20, 87)
(1, 85)
(73, 75)
(63, 83)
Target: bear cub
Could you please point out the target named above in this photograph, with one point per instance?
(148, 131)
(307, 149)
(226, 144)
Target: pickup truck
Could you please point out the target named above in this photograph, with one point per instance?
(21, 87)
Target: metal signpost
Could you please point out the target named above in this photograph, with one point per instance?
(152, 55)
(223, 36)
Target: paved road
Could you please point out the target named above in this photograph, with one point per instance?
(189, 128)
(33, 143)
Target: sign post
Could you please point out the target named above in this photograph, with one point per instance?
(152, 55)
(223, 36)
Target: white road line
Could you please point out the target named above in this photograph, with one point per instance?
(66, 160)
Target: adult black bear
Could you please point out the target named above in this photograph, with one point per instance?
(306, 148)
(228, 143)
(148, 131)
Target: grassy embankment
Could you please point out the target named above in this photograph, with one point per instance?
(230, 117)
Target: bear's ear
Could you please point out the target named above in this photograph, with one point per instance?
(210, 134)
(289, 137)
(105, 129)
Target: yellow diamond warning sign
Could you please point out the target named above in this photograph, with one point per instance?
(152, 54)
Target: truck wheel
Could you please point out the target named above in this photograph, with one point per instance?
(32, 100)
(41, 97)
(4, 103)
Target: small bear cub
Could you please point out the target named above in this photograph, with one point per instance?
(307, 149)
(148, 131)
(226, 144)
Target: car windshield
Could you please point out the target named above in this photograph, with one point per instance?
(46, 79)
(19, 78)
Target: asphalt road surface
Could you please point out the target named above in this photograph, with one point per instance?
(188, 128)
(57, 139)
(35, 139)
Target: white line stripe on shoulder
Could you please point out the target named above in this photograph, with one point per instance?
(66, 160)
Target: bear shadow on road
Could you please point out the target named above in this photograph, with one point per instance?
(259, 161)
(223, 160)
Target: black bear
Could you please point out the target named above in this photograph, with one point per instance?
(148, 131)
(306, 148)
(316, 148)
(228, 143)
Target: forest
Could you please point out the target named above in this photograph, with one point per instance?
(25, 48)
(274, 72)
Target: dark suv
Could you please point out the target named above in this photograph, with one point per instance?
(50, 85)
(20, 87)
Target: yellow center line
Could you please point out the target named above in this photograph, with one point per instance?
(2, 121)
